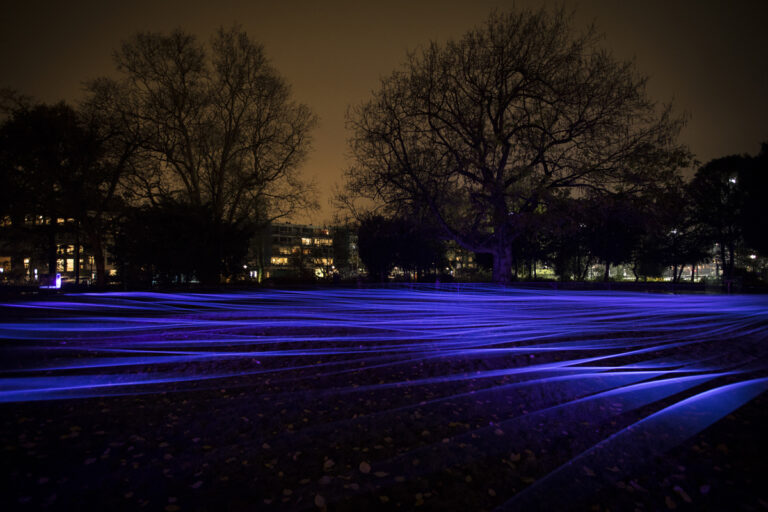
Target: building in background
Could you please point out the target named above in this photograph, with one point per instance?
(32, 245)
(300, 251)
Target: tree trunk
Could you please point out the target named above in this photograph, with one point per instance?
(502, 264)
(723, 267)
(99, 259)
(584, 270)
(693, 273)
(18, 272)
(77, 253)
(731, 252)
(578, 266)
(52, 249)
(607, 274)
(17, 268)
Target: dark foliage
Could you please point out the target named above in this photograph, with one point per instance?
(489, 128)
(754, 210)
(49, 170)
(175, 243)
(386, 243)
(566, 240)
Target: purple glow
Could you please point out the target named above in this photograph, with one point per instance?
(56, 283)
(518, 359)
(651, 436)
(395, 327)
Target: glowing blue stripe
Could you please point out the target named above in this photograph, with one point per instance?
(652, 436)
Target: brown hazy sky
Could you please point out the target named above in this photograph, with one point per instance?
(710, 57)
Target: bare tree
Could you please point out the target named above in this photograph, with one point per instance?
(217, 125)
(119, 136)
(12, 101)
(486, 129)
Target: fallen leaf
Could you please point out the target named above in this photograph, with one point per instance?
(679, 490)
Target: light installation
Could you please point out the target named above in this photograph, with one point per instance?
(56, 285)
(526, 358)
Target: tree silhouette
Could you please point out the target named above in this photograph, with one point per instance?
(516, 113)
(385, 243)
(175, 243)
(66, 163)
(718, 202)
(51, 169)
(217, 124)
(377, 246)
(754, 183)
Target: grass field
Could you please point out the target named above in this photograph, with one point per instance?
(451, 398)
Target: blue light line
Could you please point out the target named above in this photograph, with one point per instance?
(561, 358)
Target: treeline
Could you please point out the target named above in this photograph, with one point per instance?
(523, 140)
(415, 248)
(720, 214)
(174, 164)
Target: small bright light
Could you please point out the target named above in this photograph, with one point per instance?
(753, 256)
(56, 284)
(732, 180)
(245, 266)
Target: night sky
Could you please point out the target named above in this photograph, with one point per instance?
(708, 56)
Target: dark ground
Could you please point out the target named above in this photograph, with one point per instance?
(337, 431)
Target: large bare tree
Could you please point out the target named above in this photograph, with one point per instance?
(486, 129)
(217, 124)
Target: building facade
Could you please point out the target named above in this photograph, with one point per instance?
(301, 251)
(35, 248)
